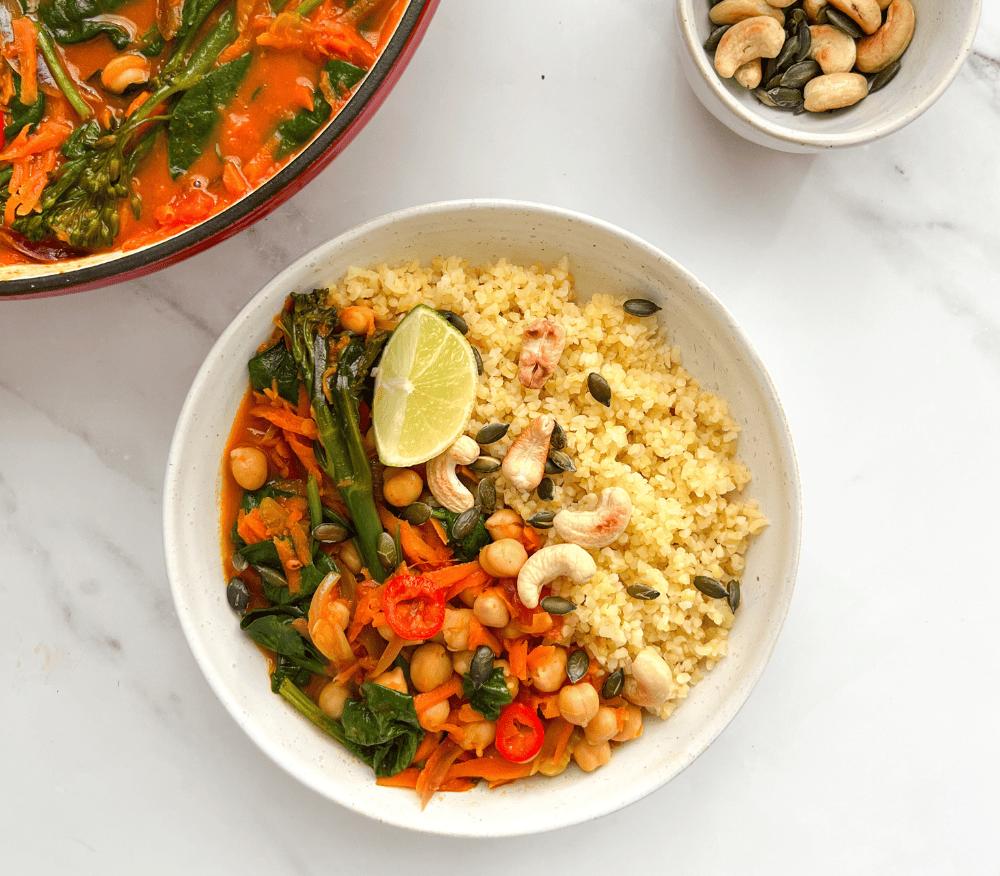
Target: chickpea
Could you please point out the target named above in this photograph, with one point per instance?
(602, 727)
(579, 703)
(249, 467)
(549, 675)
(430, 667)
(633, 724)
(461, 661)
(505, 523)
(456, 628)
(589, 757)
(339, 614)
(393, 679)
(478, 735)
(503, 558)
(348, 554)
(434, 718)
(332, 698)
(403, 488)
(491, 610)
(513, 685)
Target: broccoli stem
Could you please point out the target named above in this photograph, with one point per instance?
(66, 85)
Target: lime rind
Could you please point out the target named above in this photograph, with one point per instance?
(425, 389)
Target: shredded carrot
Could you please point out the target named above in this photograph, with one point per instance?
(304, 452)
(562, 740)
(290, 563)
(427, 745)
(517, 657)
(26, 44)
(494, 769)
(286, 420)
(390, 653)
(449, 575)
(251, 528)
(480, 635)
(403, 779)
(530, 539)
(539, 655)
(475, 582)
(452, 687)
(435, 770)
(468, 715)
(417, 549)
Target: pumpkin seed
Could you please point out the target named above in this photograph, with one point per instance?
(844, 23)
(599, 389)
(331, 533)
(762, 96)
(385, 550)
(481, 666)
(271, 576)
(712, 43)
(546, 489)
(486, 496)
(480, 368)
(557, 605)
(577, 665)
(557, 440)
(643, 306)
(710, 587)
(416, 513)
(562, 461)
(485, 465)
(733, 595)
(797, 17)
(613, 684)
(800, 73)
(239, 562)
(641, 591)
(805, 37)
(491, 433)
(551, 468)
(786, 56)
(541, 519)
(455, 320)
(785, 98)
(238, 595)
(464, 524)
(883, 77)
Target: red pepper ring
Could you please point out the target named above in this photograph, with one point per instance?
(519, 733)
(413, 606)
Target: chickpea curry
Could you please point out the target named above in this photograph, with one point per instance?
(126, 121)
(400, 609)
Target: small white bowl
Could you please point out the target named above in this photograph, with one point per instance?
(602, 257)
(942, 41)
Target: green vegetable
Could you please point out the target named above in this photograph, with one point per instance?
(466, 548)
(490, 697)
(80, 206)
(312, 328)
(199, 111)
(382, 728)
(275, 365)
(21, 116)
(271, 628)
(74, 21)
(299, 129)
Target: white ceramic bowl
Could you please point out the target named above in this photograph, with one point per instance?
(942, 40)
(602, 257)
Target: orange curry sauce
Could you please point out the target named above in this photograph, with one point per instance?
(288, 54)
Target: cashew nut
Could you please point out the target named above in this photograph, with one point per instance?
(597, 528)
(833, 91)
(731, 11)
(813, 8)
(878, 51)
(651, 682)
(758, 37)
(549, 563)
(124, 70)
(524, 463)
(541, 347)
(780, 4)
(442, 480)
(831, 48)
(749, 74)
(865, 13)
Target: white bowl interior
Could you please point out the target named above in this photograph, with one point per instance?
(941, 42)
(601, 258)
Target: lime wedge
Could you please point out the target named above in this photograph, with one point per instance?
(425, 388)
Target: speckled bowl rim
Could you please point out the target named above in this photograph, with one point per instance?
(689, 33)
(604, 791)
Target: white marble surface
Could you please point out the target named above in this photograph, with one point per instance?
(867, 279)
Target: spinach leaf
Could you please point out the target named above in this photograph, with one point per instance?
(382, 728)
(285, 669)
(75, 21)
(311, 576)
(299, 129)
(276, 364)
(198, 112)
(261, 553)
(491, 696)
(22, 116)
(271, 628)
(467, 548)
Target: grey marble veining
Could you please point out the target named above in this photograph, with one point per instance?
(868, 280)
